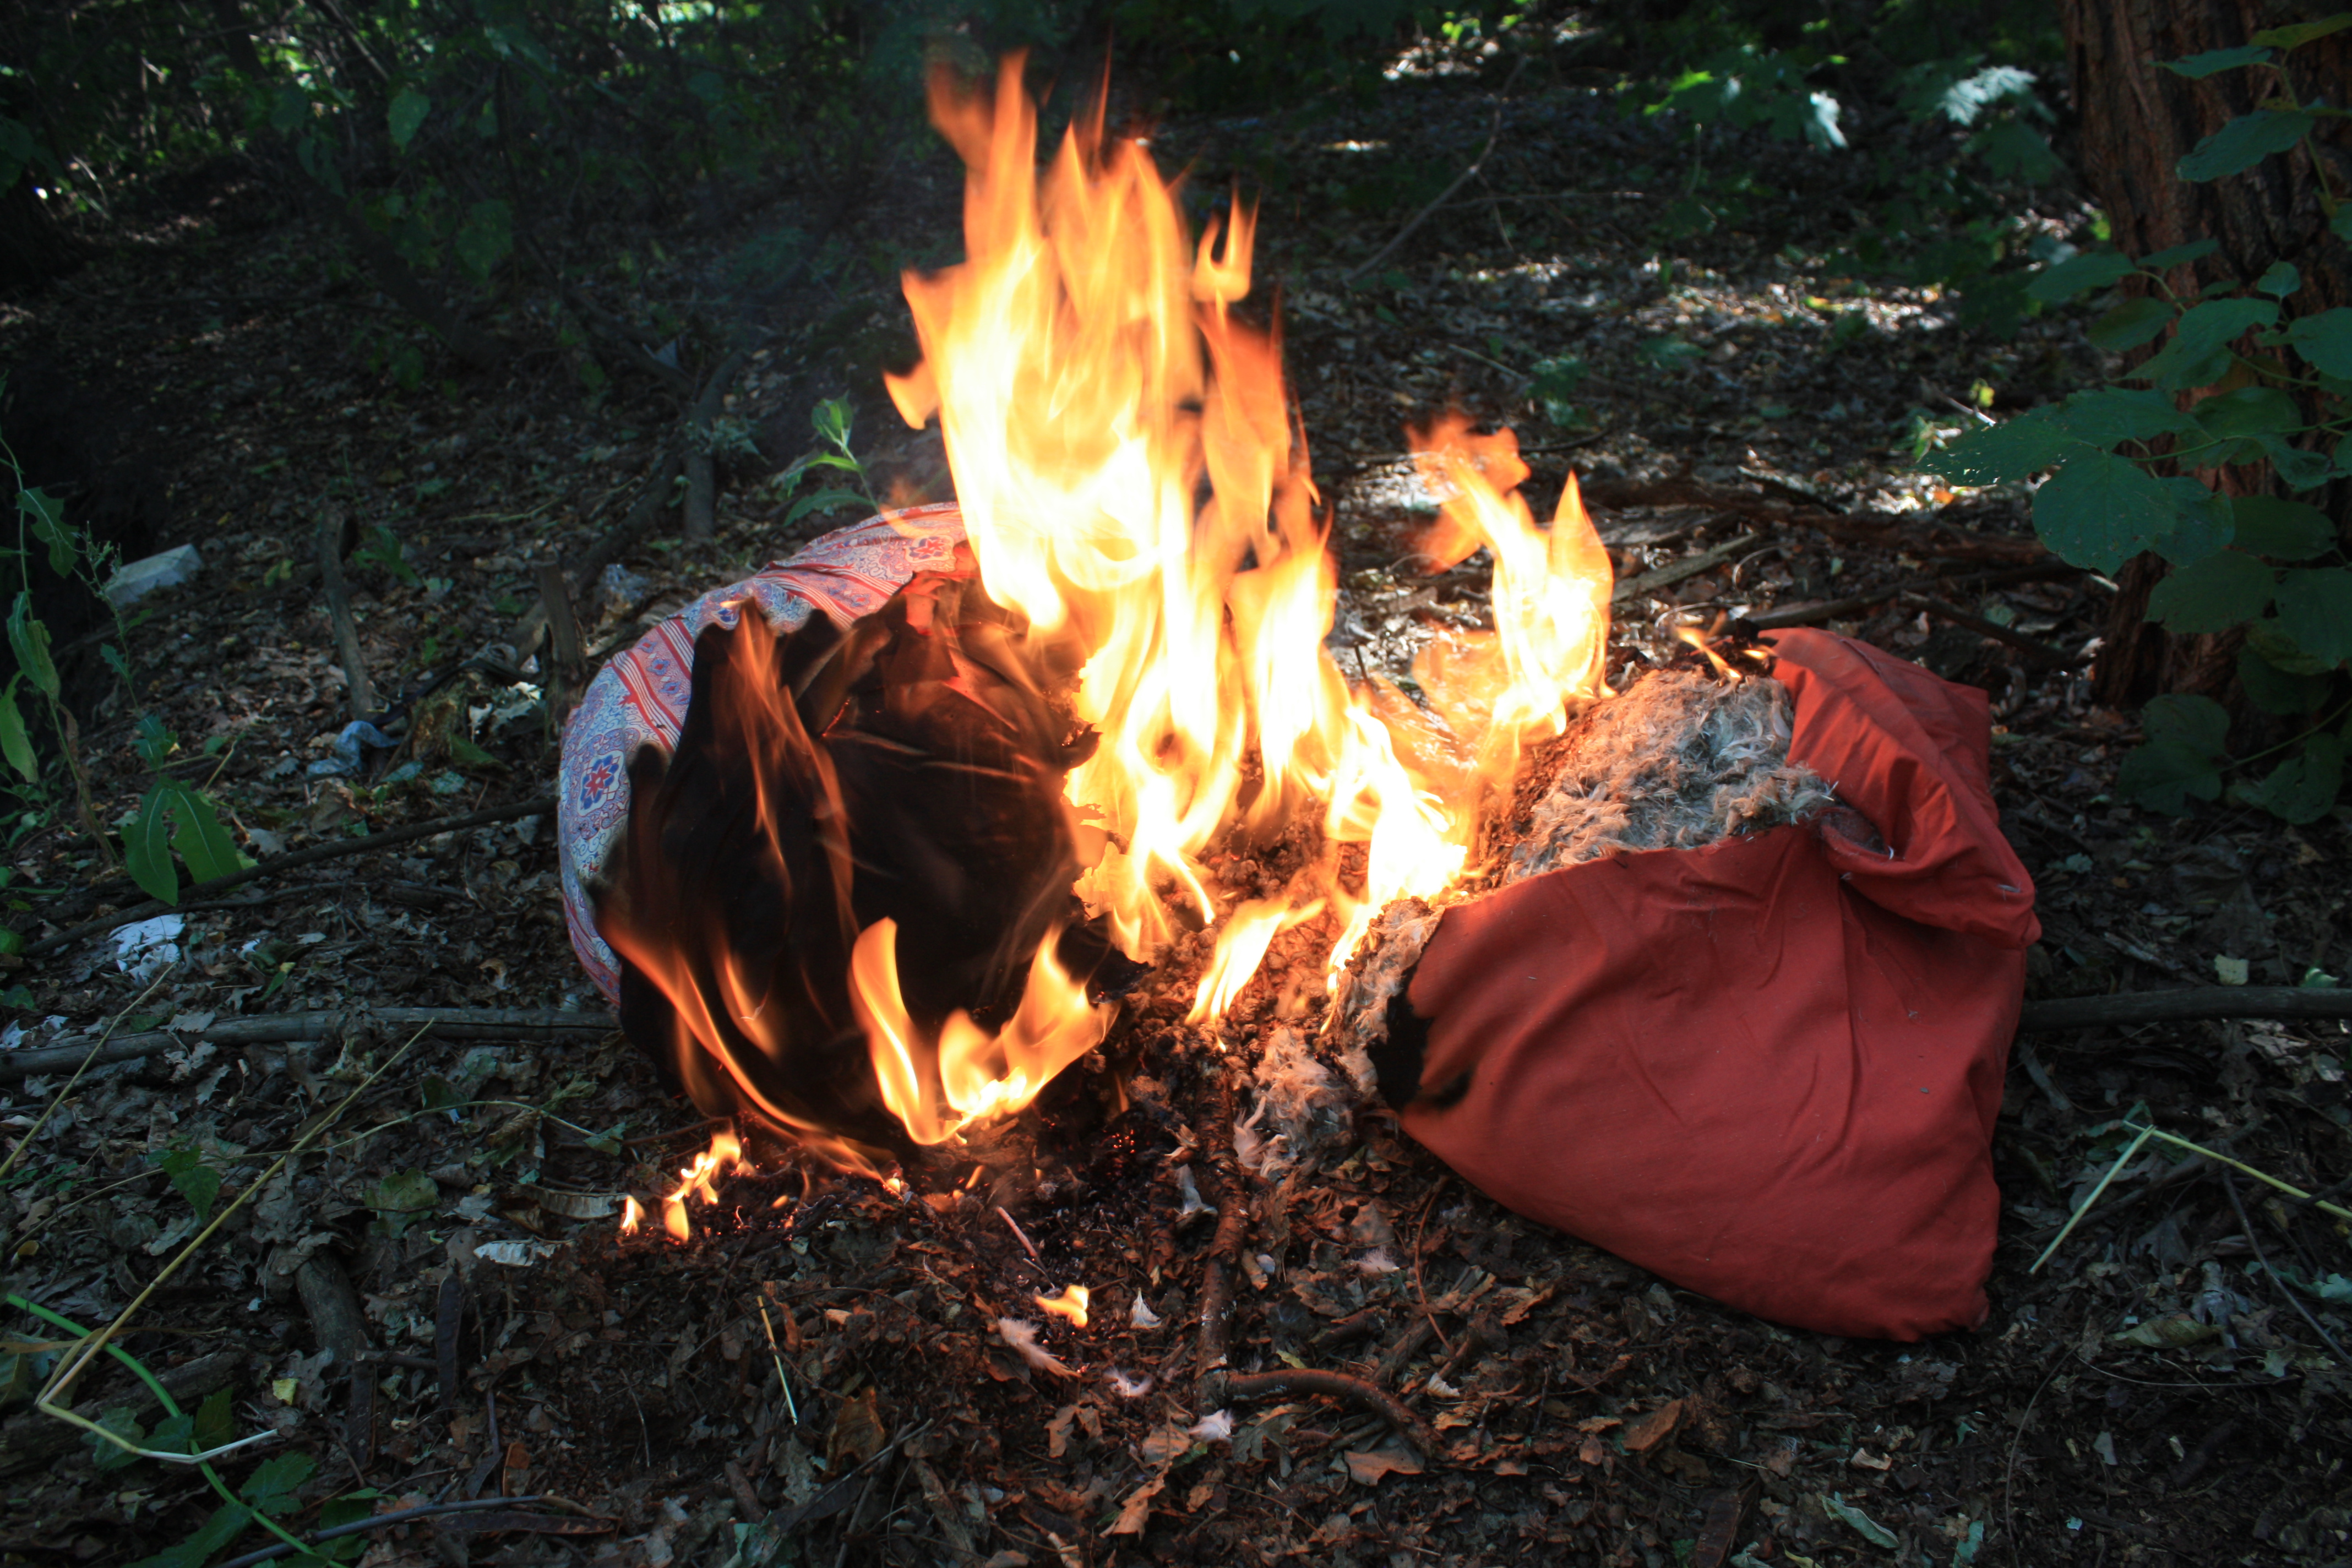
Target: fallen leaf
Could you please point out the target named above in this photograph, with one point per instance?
(1369, 1468)
(857, 1434)
(1863, 1459)
(1599, 1423)
(1869, 1528)
(1058, 1431)
(1653, 1429)
(1137, 1509)
(2168, 1333)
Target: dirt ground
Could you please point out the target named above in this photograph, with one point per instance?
(2154, 1395)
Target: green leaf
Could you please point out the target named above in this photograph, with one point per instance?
(2299, 468)
(2274, 690)
(2294, 35)
(2113, 414)
(2325, 341)
(831, 419)
(485, 239)
(1868, 1528)
(154, 741)
(30, 640)
(2315, 610)
(2340, 226)
(215, 1422)
(194, 1180)
(2131, 324)
(410, 1192)
(823, 500)
(467, 754)
(2200, 522)
(227, 1523)
(2279, 280)
(2268, 637)
(408, 111)
(2249, 411)
(2282, 530)
(2196, 67)
(2213, 594)
(2198, 353)
(147, 848)
(2000, 453)
(47, 515)
(272, 1486)
(2195, 250)
(2100, 510)
(2182, 756)
(106, 1456)
(2080, 274)
(200, 840)
(2304, 788)
(2243, 142)
(15, 743)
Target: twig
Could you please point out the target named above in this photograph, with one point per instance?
(444, 1022)
(2040, 652)
(591, 566)
(1675, 571)
(87, 1060)
(1018, 1235)
(1864, 527)
(538, 807)
(1460, 180)
(791, 1406)
(702, 518)
(1233, 1228)
(339, 611)
(1361, 1392)
(2184, 1004)
(2230, 1187)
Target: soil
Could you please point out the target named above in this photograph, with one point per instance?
(2156, 1392)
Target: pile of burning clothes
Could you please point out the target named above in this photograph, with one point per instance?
(1734, 1000)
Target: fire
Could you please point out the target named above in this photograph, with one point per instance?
(700, 1177)
(1134, 485)
(1069, 1302)
(980, 1074)
(1123, 448)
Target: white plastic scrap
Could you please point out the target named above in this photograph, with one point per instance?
(515, 1254)
(144, 948)
(1141, 1315)
(1191, 1195)
(1128, 1387)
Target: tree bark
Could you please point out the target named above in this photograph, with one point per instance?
(2138, 121)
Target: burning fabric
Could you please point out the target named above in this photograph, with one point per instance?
(856, 856)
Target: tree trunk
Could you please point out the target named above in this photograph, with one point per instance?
(33, 247)
(2137, 121)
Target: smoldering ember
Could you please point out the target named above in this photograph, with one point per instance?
(1116, 784)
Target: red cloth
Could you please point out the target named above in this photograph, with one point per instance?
(1766, 1070)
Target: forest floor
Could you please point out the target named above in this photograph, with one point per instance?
(2154, 1395)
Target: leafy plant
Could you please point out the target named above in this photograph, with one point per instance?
(174, 817)
(2270, 565)
(831, 419)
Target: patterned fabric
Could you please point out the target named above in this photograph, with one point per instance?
(642, 694)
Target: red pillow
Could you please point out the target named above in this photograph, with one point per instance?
(1766, 1069)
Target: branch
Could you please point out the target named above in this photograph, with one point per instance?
(445, 1023)
(2185, 1004)
(1364, 1394)
(1460, 180)
(1921, 537)
(339, 613)
(538, 807)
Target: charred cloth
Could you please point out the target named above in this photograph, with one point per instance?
(906, 768)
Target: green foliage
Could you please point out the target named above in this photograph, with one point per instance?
(831, 420)
(2269, 565)
(191, 1175)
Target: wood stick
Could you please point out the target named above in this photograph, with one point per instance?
(539, 806)
(2185, 1004)
(1675, 571)
(1364, 1394)
(338, 610)
(445, 1023)
(2040, 652)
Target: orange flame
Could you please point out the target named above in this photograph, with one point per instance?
(700, 1177)
(978, 1074)
(1123, 450)
(1069, 1302)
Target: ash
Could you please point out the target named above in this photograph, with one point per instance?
(1680, 761)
